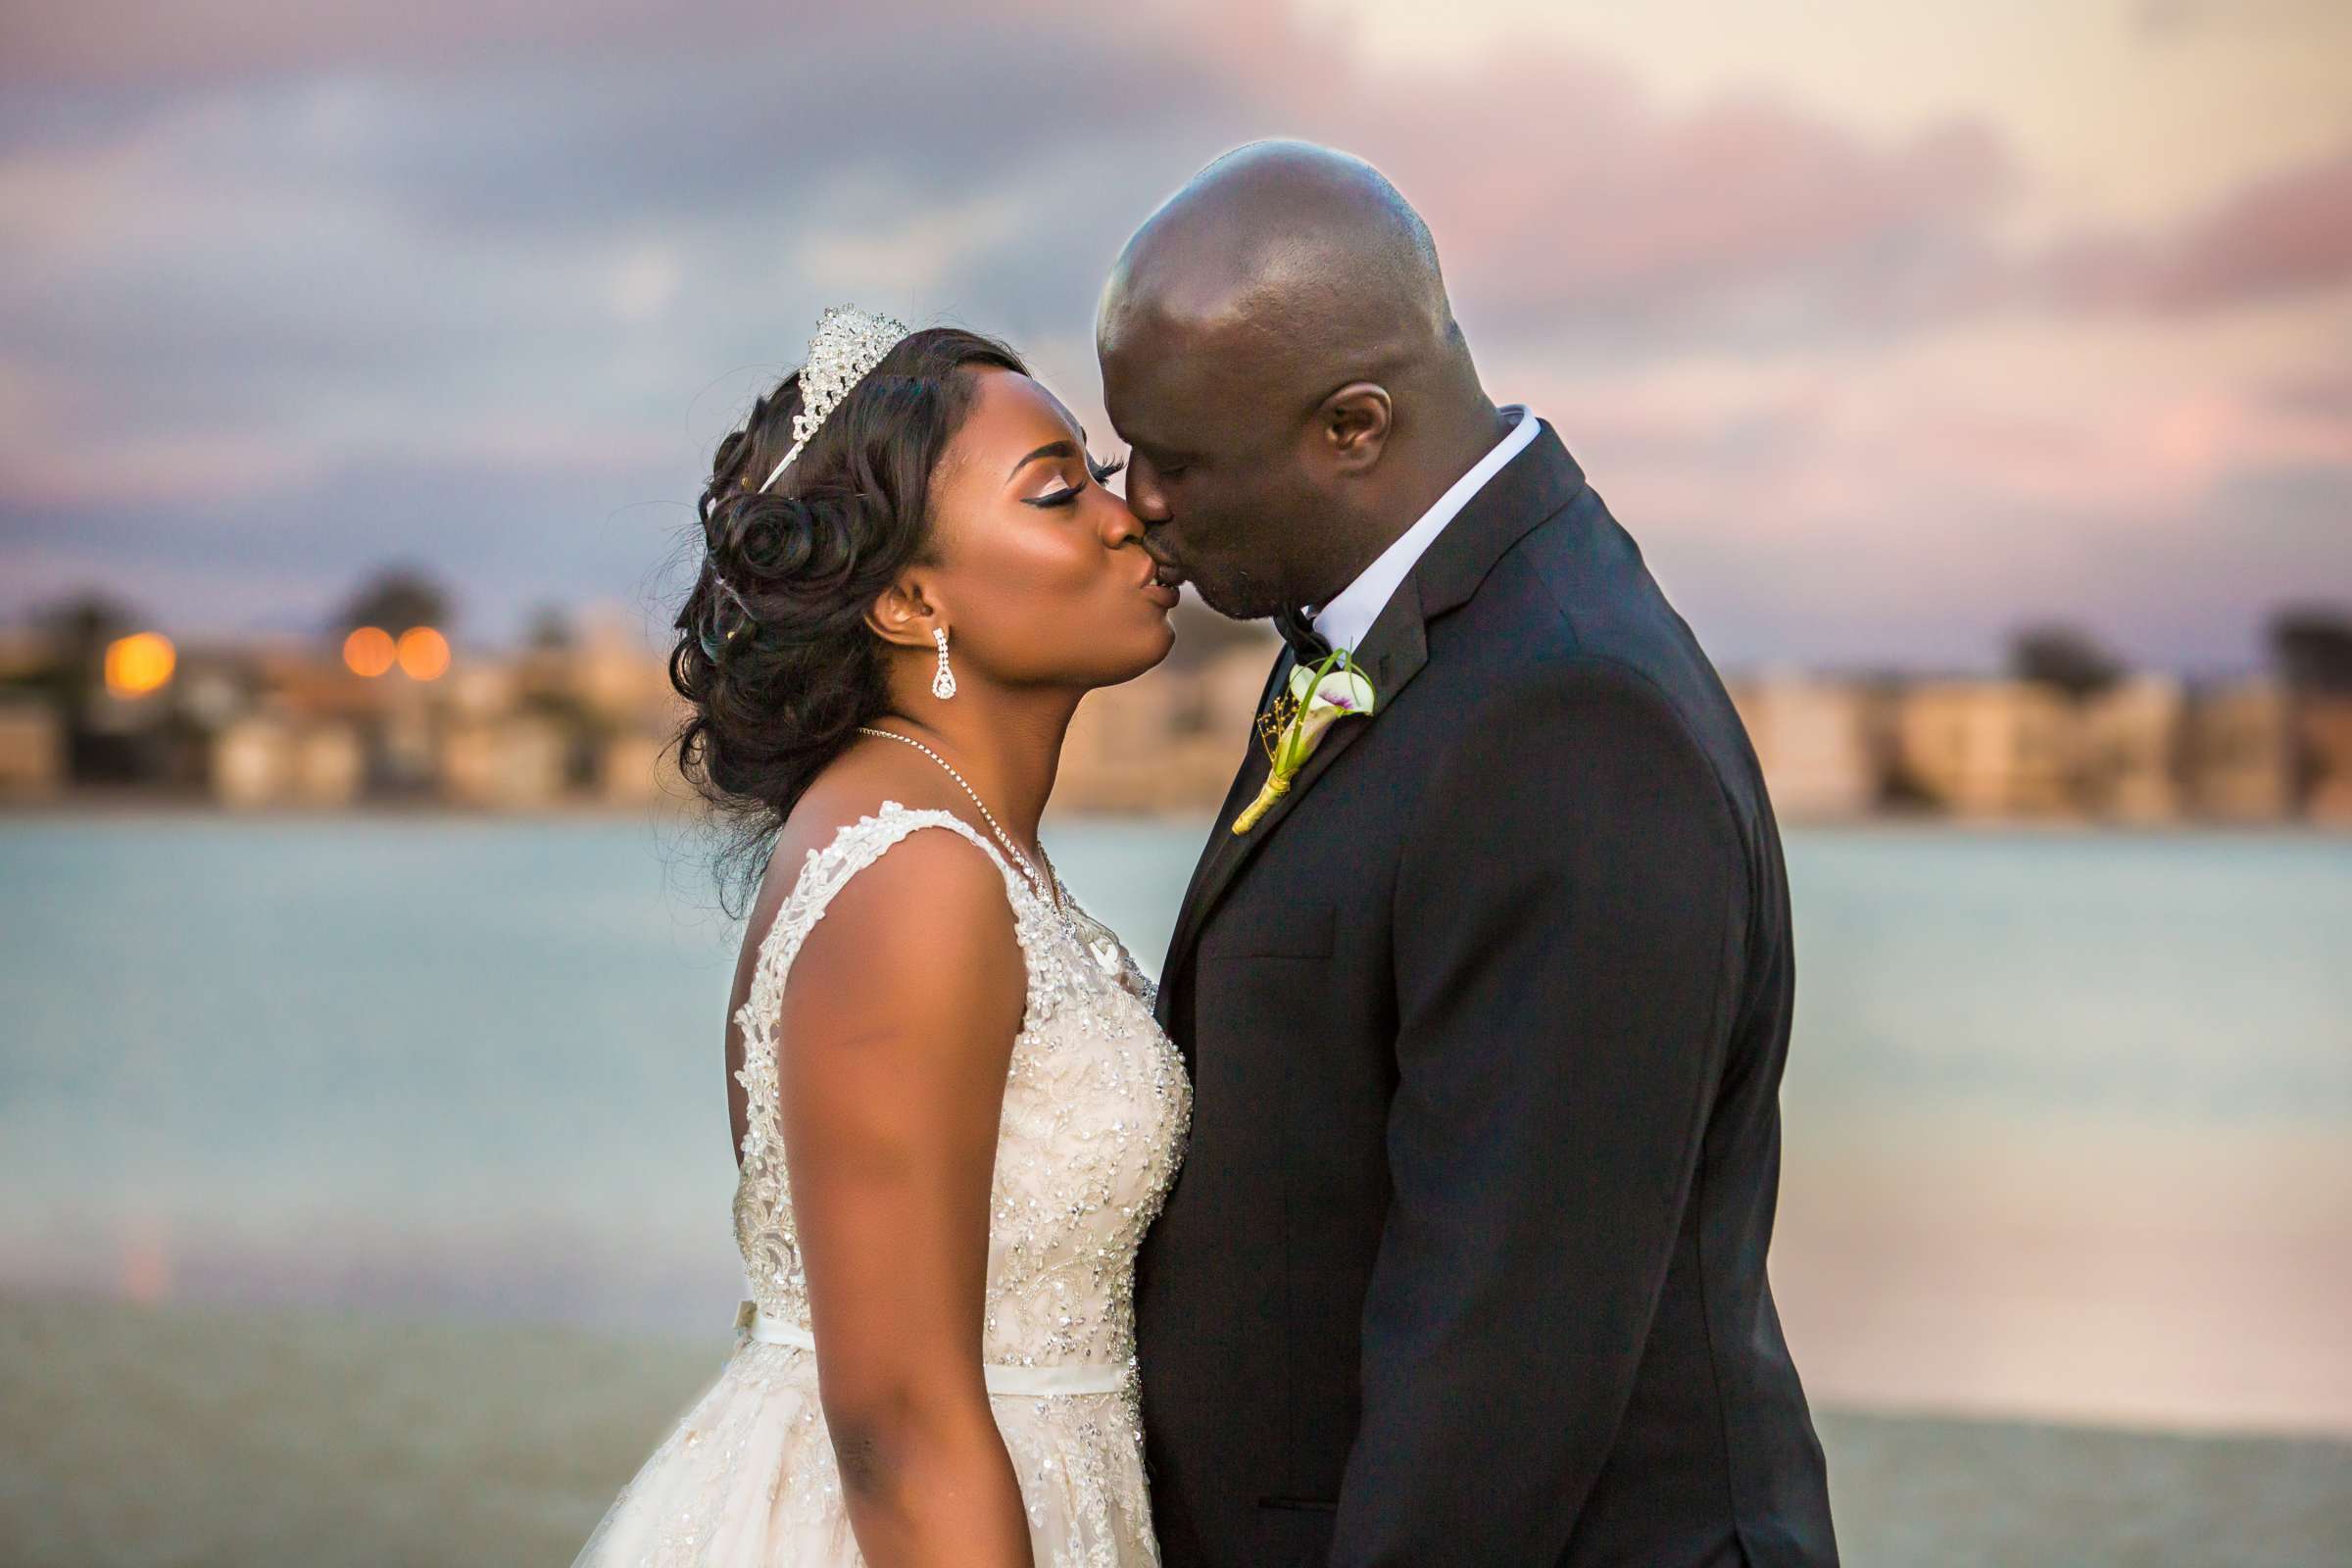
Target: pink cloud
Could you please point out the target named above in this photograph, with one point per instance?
(1738, 198)
(1556, 185)
(2287, 233)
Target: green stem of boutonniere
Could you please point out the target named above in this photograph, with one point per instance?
(1293, 735)
(1295, 738)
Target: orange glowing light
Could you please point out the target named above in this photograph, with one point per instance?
(144, 1269)
(424, 653)
(138, 664)
(368, 651)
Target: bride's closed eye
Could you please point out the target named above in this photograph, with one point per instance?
(1102, 473)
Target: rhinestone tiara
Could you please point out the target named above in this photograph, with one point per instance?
(843, 351)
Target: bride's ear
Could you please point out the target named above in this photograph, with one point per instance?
(1353, 427)
(902, 615)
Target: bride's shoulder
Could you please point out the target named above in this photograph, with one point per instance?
(859, 789)
(854, 855)
(857, 802)
(900, 920)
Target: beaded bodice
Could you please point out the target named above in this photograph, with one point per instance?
(1096, 1106)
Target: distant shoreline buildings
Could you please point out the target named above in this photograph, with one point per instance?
(587, 721)
(261, 725)
(2147, 751)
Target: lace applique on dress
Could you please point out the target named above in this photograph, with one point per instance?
(1097, 1108)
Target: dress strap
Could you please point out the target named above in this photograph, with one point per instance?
(857, 846)
(824, 875)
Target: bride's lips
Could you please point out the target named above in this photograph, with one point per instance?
(1162, 582)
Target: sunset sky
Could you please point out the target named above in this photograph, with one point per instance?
(1883, 327)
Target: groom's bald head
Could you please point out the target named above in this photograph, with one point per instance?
(1259, 337)
(1288, 258)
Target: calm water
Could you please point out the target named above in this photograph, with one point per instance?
(2068, 1116)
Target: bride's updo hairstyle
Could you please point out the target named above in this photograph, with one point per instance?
(776, 660)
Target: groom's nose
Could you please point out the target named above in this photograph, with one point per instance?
(1146, 498)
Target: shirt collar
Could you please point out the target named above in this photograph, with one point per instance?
(1350, 612)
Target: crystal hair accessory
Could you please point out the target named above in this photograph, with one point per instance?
(843, 351)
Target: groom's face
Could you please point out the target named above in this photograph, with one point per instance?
(1223, 486)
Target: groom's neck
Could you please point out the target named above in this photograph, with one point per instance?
(1427, 461)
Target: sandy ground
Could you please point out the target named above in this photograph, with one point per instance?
(143, 1438)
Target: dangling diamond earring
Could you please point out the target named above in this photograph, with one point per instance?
(943, 684)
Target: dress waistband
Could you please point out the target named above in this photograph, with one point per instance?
(1001, 1376)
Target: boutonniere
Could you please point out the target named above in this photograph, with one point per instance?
(1295, 726)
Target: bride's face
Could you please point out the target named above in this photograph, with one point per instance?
(1042, 577)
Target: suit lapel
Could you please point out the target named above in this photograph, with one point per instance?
(1530, 488)
(1245, 784)
(1243, 789)
(1393, 653)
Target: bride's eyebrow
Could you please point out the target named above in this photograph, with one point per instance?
(1064, 448)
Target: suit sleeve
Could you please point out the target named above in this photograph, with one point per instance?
(1569, 915)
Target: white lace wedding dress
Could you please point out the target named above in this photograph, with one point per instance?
(1096, 1106)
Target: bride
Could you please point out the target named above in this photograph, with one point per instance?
(953, 1113)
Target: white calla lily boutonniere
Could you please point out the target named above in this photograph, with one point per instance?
(1295, 726)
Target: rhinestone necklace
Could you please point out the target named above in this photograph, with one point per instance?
(1045, 889)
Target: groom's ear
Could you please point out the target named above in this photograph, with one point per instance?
(1354, 424)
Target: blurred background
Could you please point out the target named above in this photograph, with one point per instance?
(1977, 382)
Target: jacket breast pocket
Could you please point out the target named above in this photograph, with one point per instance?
(1301, 930)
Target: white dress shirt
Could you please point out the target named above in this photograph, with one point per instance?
(1350, 612)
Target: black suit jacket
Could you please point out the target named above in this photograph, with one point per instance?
(1485, 1021)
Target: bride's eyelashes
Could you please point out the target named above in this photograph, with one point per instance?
(1102, 473)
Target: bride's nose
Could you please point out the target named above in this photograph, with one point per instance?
(1120, 527)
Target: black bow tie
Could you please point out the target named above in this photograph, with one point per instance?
(1306, 643)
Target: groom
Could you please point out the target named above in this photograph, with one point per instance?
(1486, 1016)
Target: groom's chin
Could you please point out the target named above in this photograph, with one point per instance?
(1245, 601)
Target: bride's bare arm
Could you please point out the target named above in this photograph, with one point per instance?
(897, 1028)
